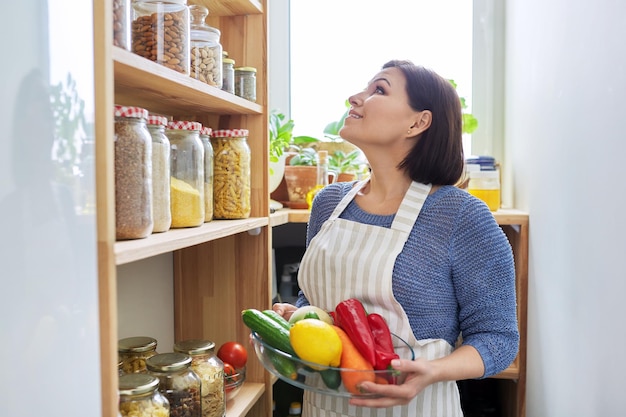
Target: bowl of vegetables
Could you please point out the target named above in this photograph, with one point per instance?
(233, 381)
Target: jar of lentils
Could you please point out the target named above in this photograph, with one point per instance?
(245, 83)
(206, 50)
(133, 174)
(210, 369)
(121, 23)
(177, 382)
(160, 32)
(134, 351)
(205, 137)
(187, 173)
(231, 174)
(140, 397)
(161, 212)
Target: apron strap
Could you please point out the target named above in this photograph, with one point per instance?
(410, 207)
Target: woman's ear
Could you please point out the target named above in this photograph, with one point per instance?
(423, 121)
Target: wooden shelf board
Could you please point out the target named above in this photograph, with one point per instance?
(174, 239)
(248, 395)
(230, 7)
(279, 217)
(169, 92)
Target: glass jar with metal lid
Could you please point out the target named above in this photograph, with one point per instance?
(205, 137)
(133, 352)
(228, 71)
(178, 382)
(210, 369)
(206, 49)
(187, 173)
(245, 83)
(160, 32)
(133, 173)
(161, 212)
(140, 397)
(231, 174)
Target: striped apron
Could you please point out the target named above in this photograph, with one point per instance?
(348, 259)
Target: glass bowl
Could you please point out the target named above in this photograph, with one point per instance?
(233, 383)
(325, 379)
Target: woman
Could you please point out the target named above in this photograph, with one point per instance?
(411, 246)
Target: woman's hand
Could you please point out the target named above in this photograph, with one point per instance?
(284, 309)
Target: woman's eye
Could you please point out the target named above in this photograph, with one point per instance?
(379, 90)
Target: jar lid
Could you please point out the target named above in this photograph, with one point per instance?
(194, 346)
(134, 112)
(184, 125)
(137, 384)
(136, 344)
(246, 69)
(153, 119)
(230, 133)
(228, 61)
(168, 362)
(206, 131)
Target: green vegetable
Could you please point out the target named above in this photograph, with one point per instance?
(272, 333)
(277, 318)
(311, 315)
(331, 377)
(285, 366)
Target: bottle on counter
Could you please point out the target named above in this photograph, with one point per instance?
(322, 177)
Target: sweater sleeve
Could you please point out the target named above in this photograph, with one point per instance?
(484, 280)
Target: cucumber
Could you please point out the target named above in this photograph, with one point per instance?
(331, 377)
(285, 366)
(277, 318)
(272, 333)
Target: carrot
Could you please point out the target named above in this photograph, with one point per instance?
(352, 359)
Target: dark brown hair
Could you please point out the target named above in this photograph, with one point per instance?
(437, 156)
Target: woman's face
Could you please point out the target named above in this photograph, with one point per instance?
(381, 114)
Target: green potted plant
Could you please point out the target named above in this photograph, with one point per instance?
(347, 165)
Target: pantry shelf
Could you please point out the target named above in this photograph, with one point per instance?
(231, 7)
(245, 399)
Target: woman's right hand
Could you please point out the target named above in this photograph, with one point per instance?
(284, 309)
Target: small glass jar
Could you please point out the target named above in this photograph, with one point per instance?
(210, 369)
(205, 137)
(140, 397)
(187, 174)
(121, 23)
(245, 83)
(485, 185)
(134, 351)
(133, 174)
(228, 70)
(206, 49)
(231, 174)
(160, 32)
(161, 212)
(178, 382)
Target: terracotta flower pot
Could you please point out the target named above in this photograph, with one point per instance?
(300, 180)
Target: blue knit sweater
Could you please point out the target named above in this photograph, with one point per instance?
(455, 274)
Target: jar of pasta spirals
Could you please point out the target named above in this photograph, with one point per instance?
(187, 173)
(231, 174)
(177, 382)
(134, 351)
(161, 211)
(210, 369)
(205, 137)
(140, 397)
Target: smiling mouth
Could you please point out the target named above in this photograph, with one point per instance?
(355, 116)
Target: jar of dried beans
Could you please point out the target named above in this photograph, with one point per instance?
(121, 23)
(187, 173)
(160, 32)
(210, 369)
(162, 215)
(178, 382)
(231, 174)
(140, 397)
(133, 174)
(206, 49)
(134, 351)
(205, 137)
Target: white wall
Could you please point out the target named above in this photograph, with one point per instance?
(565, 88)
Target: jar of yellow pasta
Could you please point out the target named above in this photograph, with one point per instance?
(231, 174)
(139, 397)
(133, 352)
(187, 173)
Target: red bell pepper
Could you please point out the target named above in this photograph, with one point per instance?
(384, 351)
(350, 315)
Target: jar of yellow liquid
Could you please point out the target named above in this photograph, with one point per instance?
(322, 177)
(485, 185)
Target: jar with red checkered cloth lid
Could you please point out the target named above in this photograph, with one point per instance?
(133, 173)
(231, 174)
(162, 214)
(187, 173)
(205, 137)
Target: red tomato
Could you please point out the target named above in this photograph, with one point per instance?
(233, 353)
(229, 370)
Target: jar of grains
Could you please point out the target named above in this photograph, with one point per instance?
(133, 174)
(210, 369)
(205, 137)
(245, 83)
(206, 50)
(121, 23)
(160, 32)
(133, 352)
(187, 173)
(228, 71)
(231, 174)
(178, 382)
(161, 212)
(140, 397)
